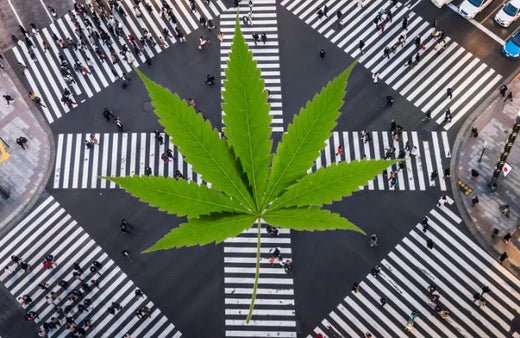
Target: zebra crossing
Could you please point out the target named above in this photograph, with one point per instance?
(127, 154)
(456, 265)
(116, 154)
(49, 229)
(432, 154)
(274, 313)
(426, 84)
(43, 70)
(267, 54)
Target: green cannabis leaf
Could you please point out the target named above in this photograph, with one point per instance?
(248, 182)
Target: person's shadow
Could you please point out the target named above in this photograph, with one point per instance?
(515, 325)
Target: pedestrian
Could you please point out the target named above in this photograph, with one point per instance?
(485, 289)
(263, 37)
(449, 93)
(326, 11)
(43, 286)
(474, 132)
(386, 53)
(138, 293)
(382, 300)
(447, 173)
(119, 124)
(474, 201)
(375, 77)
(447, 116)
(405, 23)
(442, 201)
(8, 98)
(320, 13)
(31, 315)
(361, 46)
(356, 287)
(339, 16)
(503, 90)
(340, 151)
(424, 223)
(389, 101)
(126, 254)
(509, 97)
(117, 306)
(417, 57)
(503, 256)
(375, 270)
(22, 142)
(504, 209)
(373, 240)
(159, 137)
(360, 3)
(107, 114)
(417, 41)
(287, 265)
(429, 243)
(125, 226)
(507, 237)
(432, 288)
(322, 55)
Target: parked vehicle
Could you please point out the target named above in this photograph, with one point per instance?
(509, 13)
(470, 8)
(512, 47)
(440, 3)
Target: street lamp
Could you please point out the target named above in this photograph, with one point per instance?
(505, 152)
(483, 150)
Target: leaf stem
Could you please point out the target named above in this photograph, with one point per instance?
(257, 273)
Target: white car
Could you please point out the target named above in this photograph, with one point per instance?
(470, 8)
(509, 13)
(440, 3)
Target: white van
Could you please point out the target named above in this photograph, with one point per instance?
(509, 13)
(470, 8)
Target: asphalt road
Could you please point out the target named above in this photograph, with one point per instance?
(187, 284)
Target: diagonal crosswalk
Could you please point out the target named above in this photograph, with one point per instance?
(49, 229)
(425, 84)
(456, 265)
(105, 61)
(274, 313)
(266, 54)
(126, 154)
(432, 153)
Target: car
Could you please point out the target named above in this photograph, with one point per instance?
(512, 47)
(470, 8)
(508, 14)
(440, 3)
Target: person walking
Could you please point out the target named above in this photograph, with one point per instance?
(405, 23)
(339, 16)
(382, 300)
(474, 201)
(449, 93)
(256, 38)
(375, 78)
(356, 287)
(389, 101)
(375, 270)
(126, 254)
(22, 142)
(429, 243)
(125, 226)
(503, 256)
(119, 124)
(8, 98)
(386, 53)
(362, 46)
(326, 11)
(509, 97)
(263, 37)
(373, 240)
(322, 55)
(424, 223)
(107, 114)
(502, 90)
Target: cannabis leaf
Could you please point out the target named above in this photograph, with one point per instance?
(248, 182)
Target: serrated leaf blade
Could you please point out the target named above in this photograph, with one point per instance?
(309, 219)
(204, 230)
(177, 196)
(306, 135)
(246, 115)
(200, 144)
(330, 184)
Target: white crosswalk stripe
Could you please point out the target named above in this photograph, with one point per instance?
(127, 154)
(116, 154)
(433, 154)
(274, 313)
(266, 54)
(456, 265)
(49, 229)
(426, 84)
(43, 70)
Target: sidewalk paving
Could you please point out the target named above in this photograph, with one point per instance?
(26, 172)
(494, 125)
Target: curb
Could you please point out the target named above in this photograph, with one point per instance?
(52, 149)
(460, 141)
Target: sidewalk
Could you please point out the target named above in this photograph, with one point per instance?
(26, 172)
(494, 125)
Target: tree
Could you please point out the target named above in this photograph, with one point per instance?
(248, 182)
